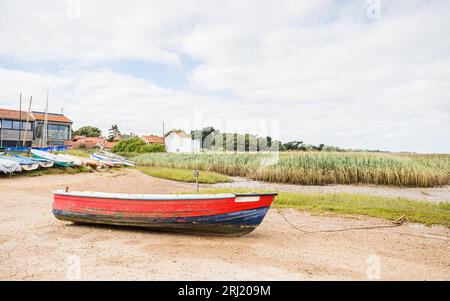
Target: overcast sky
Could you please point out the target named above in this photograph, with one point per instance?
(356, 74)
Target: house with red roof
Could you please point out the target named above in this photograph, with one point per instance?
(91, 142)
(14, 128)
(179, 142)
(20, 128)
(153, 139)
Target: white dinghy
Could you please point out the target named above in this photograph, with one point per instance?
(8, 166)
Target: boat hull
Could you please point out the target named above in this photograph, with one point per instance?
(8, 167)
(42, 162)
(62, 164)
(45, 156)
(107, 160)
(228, 215)
(25, 164)
(29, 167)
(115, 160)
(239, 223)
(47, 164)
(114, 157)
(56, 162)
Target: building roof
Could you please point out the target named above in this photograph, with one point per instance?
(153, 139)
(55, 117)
(117, 138)
(15, 115)
(178, 133)
(109, 145)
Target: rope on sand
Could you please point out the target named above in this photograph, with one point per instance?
(395, 223)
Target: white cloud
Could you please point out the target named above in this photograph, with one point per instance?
(320, 67)
(102, 97)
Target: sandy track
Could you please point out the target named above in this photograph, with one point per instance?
(34, 245)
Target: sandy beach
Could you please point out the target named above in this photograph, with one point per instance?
(36, 246)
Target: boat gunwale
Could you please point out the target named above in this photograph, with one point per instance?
(157, 197)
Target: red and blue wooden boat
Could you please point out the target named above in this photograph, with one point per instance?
(229, 214)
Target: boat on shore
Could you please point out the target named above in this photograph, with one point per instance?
(8, 166)
(103, 162)
(103, 155)
(93, 163)
(25, 163)
(106, 160)
(76, 161)
(57, 160)
(226, 214)
(84, 161)
(42, 162)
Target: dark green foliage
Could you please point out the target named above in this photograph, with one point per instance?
(88, 131)
(294, 145)
(205, 135)
(137, 145)
(152, 148)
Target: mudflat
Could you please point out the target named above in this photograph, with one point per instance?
(34, 245)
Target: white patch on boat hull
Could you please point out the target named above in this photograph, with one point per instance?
(245, 199)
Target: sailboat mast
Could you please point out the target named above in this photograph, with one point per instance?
(44, 138)
(26, 123)
(20, 120)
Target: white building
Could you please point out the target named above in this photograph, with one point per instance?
(180, 142)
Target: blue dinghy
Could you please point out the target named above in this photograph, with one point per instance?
(25, 164)
(42, 162)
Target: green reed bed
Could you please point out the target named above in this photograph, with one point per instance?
(315, 168)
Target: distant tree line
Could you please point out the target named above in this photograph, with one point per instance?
(212, 139)
(300, 146)
(137, 145)
(88, 131)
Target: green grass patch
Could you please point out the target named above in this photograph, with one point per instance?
(183, 175)
(424, 212)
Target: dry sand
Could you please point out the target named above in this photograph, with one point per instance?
(34, 245)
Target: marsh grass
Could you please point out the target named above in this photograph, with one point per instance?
(316, 168)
